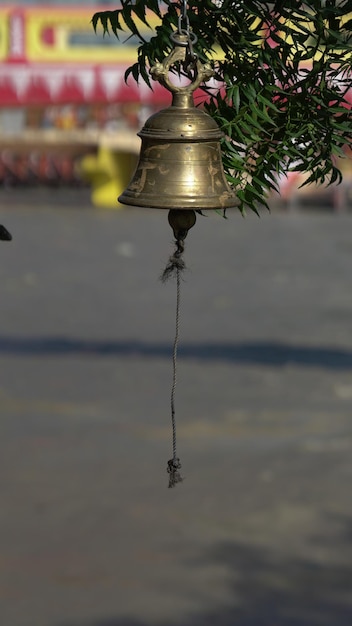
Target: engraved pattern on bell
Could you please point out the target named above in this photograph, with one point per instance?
(180, 163)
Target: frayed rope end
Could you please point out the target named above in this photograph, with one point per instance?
(174, 265)
(173, 467)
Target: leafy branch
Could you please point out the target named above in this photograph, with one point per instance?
(285, 69)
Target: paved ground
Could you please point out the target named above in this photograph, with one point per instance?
(259, 533)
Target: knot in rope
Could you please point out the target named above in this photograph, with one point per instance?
(175, 263)
(173, 467)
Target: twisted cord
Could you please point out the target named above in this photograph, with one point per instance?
(174, 464)
(175, 266)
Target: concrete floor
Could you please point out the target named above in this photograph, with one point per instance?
(259, 533)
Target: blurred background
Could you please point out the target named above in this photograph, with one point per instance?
(259, 533)
(67, 117)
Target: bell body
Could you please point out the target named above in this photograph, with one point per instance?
(180, 165)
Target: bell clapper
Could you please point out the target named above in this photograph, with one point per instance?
(181, 221)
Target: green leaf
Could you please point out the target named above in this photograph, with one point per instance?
(282, 106)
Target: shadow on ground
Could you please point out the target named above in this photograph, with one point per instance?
(261, 353)
(270, 590)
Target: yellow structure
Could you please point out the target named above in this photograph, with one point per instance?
(110, 169)
(109, 173)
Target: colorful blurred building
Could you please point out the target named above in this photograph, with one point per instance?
(51, 55)
(63, 96)
(62, 90)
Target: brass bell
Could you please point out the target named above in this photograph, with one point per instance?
(180, 165)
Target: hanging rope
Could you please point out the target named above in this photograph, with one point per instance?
(175, 266)
(174, 465)
(180, 221)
